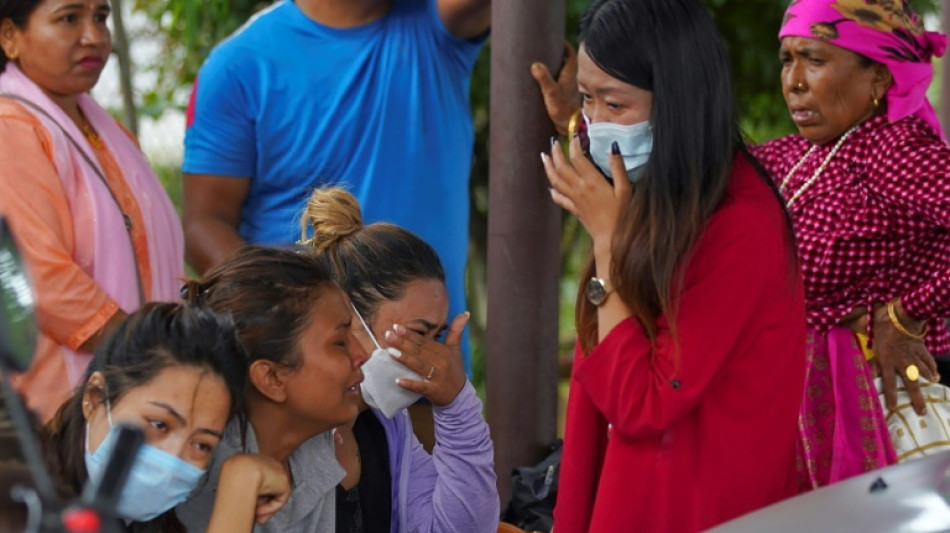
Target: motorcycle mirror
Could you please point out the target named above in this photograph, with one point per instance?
(17, 306)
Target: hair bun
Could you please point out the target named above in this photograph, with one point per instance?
(333, 214)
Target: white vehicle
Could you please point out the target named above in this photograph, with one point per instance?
(912, 497)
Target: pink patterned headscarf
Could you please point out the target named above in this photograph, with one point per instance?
(887, 31)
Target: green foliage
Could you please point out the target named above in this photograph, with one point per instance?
(189, 31)
(170, 176)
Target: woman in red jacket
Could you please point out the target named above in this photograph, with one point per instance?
(688, 374)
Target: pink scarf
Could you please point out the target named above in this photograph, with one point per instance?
(841, 431)
(102, 245)
(888, 32)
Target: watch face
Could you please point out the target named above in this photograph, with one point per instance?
(596, 291)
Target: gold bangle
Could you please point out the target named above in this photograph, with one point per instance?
(892, 314)
(572, 124)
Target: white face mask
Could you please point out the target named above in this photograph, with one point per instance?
(380, 373)
(635, 142)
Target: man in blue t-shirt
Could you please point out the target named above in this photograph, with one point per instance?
(371, 95)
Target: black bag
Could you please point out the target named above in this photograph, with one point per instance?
(533, 493)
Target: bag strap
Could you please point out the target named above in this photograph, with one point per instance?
(125, 217)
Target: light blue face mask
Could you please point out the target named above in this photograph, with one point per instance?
(635, 142)
(157, 482)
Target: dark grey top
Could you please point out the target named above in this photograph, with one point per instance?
(312, 504)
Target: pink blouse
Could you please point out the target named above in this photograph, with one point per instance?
(875, 224)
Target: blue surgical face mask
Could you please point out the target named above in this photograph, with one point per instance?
(157, 482)
(635, 142)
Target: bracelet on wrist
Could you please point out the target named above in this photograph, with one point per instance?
(892, 314)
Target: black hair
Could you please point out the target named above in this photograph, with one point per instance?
(19, 12)
(373, 263)
(270, 293)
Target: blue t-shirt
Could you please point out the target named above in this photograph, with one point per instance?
(381, 109)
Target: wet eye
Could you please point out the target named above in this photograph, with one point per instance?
(158, 425)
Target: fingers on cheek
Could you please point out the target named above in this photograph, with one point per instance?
(392, 338)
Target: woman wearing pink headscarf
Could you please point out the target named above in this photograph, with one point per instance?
(867, 183)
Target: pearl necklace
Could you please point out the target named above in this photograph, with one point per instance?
(818, 172)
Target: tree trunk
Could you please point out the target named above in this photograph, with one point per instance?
(523, 239)
(121, 49)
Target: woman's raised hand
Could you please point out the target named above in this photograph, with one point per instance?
(577, 185)
(439, 364)
(561, 98)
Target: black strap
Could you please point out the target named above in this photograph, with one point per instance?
(125, 217)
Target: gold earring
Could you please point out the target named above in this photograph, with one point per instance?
(875, 101)
(800, 86)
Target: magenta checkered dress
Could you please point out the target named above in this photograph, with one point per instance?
(874, 226)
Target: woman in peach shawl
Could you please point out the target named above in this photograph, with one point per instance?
(98, 231)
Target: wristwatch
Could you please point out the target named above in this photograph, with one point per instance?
(598, 290)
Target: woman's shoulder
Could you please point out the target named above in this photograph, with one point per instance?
(749, 186)
(13, 114)
(780, 147)
(10, 108)
(904, 149)
(893, 139)
(792, 140)
(19, 124)
(778, 155)
(749, 205)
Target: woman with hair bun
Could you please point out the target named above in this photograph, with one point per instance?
(397, 287)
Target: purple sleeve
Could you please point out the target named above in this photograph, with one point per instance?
(454, 489)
